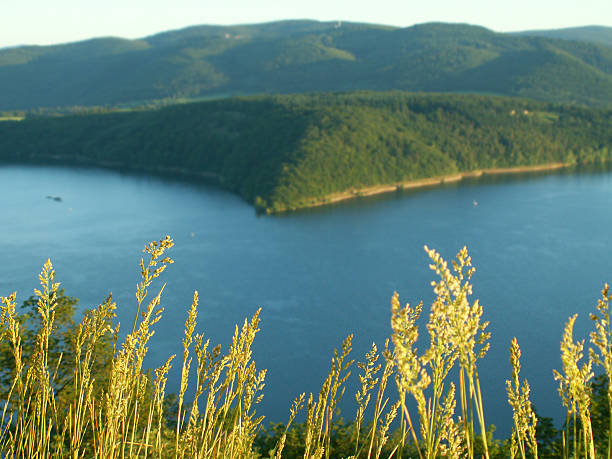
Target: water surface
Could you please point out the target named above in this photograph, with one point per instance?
(541, 246)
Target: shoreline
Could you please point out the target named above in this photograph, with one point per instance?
(420, 183)
(84, 161)
(332, 198)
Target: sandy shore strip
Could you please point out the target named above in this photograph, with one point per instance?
(427, 182)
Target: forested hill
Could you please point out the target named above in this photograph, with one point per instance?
(304, 56)
(286, 152)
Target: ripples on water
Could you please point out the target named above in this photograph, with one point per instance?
(541, 246)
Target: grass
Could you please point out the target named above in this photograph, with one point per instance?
(94, 398)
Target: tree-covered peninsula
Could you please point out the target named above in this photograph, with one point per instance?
(293, 151)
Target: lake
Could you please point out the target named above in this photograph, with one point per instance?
(541, 245)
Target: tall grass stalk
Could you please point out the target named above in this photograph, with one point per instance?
(319, 414)
(298, 404)
(34, 412)
(575, 389)
(466, 336)
(456, 333)
(525, 420)
(412, 378)
(368, 382)
(601, 338)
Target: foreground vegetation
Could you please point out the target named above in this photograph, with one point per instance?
(75, 390)
(287, 152)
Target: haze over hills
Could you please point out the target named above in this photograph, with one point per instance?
(309, 56)
(590, 34)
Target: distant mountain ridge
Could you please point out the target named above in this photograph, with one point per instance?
(309, 56)
(590, 34)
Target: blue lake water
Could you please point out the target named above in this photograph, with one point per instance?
(541, 246)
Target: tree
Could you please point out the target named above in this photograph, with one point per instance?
(61, 351)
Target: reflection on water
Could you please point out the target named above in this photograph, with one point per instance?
(541, 245)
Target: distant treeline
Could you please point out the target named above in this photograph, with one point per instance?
(287, 152)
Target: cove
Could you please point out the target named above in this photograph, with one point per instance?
(541, 246)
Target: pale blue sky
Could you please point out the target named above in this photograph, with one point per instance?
(57, 21)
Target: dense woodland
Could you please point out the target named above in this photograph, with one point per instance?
(310, 56)
(287, 152)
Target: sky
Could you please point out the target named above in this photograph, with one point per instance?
(59, 21)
